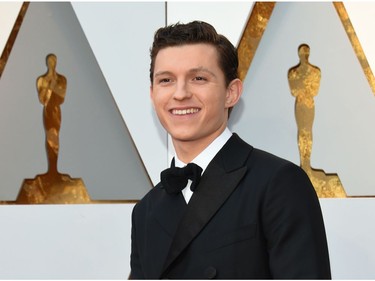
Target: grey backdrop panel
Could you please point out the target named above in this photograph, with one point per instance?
(95, 144)
(344, 106)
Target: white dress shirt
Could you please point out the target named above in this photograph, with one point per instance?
(204, 158)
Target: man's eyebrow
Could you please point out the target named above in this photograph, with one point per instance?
(202, 69)
(162, 73)
(193, 70)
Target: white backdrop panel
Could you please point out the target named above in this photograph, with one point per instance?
(93, 241)
(120, 35)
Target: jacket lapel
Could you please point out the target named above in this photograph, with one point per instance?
(220, 179)
(168, 212)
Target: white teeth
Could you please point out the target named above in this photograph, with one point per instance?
(184, 111)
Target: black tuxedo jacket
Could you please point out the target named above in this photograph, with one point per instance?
(253, 216)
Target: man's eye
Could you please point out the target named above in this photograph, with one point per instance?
(200, 78)
(164, 80)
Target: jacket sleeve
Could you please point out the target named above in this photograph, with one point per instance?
(294, 227)
(135, 263)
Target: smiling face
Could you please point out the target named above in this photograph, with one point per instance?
(190, 96)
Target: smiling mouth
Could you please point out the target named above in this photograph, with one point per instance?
(184, 111)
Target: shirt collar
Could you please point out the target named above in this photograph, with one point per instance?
(205, 157)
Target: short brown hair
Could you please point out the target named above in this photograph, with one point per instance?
(193, 33)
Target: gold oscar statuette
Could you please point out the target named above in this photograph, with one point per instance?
(304, 82)
(52, 187)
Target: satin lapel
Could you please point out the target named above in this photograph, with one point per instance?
(220, 179)
(168, 211)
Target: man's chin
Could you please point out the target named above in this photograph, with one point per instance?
(182, 138)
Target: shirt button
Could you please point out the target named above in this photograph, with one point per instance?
(210, 272)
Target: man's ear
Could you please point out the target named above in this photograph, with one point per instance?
(234, 92)
(152, 96)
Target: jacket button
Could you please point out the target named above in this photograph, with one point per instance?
(210, 272)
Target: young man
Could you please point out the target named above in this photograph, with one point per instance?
(251, 215)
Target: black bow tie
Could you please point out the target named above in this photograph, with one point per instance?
(175, 179)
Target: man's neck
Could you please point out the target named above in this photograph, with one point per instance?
(186, 151)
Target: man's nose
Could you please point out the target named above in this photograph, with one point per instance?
(182, 91)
